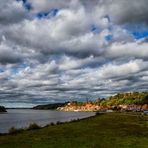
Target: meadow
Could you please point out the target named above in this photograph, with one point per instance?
(110, 130)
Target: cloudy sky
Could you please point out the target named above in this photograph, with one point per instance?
(61, 50)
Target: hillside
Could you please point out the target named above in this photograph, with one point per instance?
(134, 101)
(2, 109)
(50, 106)
(133, 98)
(139, 100)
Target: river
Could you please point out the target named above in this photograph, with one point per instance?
(20, 118)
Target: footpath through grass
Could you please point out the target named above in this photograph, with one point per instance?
(112, 130)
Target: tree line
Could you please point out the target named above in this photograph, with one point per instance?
(132, 98)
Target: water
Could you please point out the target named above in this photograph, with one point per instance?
(20, 118)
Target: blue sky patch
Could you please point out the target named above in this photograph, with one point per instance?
(94, 28)
(138, 31)
(108, 37)
(139, 35)
(26, 4)
(50, 13)
(14, 71)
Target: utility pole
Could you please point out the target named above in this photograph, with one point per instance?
(87, 100)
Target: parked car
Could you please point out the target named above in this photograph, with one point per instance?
(145, 112)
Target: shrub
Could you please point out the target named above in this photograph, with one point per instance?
(52, 124)
(97, 113)
(14, 130)
(59, 122)
(73, 120)
(33, 126)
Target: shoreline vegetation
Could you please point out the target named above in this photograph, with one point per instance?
(103, 130)
(2, 109)
(35, 126)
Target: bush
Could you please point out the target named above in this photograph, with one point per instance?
(14, 130)
(97, 113)
(52, 124)
(74, 120)
(33, 126)
(59, 122)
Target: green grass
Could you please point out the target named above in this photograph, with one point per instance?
(113, 130)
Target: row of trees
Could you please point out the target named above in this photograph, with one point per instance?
(133, 98)
(137, 98)
(50, 106)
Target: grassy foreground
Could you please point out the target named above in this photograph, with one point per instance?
(112, 130)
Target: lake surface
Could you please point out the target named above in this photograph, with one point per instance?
(20, 118)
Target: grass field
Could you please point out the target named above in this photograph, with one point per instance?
(112, 130)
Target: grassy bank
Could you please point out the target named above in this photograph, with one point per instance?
(113, 130)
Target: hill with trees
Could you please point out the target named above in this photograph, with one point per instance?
(135, 99)
(132, 98)
(2, 109)
(50, 106)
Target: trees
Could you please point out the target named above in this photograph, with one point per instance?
(2, 109)
(101, 102)
(137, 98)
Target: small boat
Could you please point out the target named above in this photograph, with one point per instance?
(76, 110)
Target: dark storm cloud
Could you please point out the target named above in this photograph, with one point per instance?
(8, 54)
(6, 57)
(129, 11)
(11, 12)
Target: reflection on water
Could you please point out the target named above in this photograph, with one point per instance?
(21, 118)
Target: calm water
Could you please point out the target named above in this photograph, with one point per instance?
(23, 117)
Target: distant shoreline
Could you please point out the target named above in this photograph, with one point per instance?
(18, 108)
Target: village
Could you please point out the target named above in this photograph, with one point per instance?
(88, 107)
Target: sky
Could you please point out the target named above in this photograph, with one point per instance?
(64, 50)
